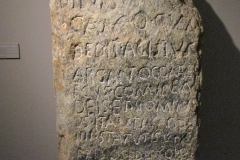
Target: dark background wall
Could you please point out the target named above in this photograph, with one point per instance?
(219, 134)
(27, 104)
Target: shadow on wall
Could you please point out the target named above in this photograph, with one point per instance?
(219, 134)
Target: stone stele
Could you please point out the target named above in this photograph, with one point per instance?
(127, 78)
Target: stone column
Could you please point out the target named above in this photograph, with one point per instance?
(127, 78)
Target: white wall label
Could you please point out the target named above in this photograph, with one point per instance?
(9, 51)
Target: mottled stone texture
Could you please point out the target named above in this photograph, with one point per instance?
(127, 78)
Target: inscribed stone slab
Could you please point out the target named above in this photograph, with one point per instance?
(127, 78)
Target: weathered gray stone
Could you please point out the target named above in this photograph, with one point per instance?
(127, 78)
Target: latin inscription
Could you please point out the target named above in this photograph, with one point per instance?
(132, 104)
(78, 4)
(130, 78)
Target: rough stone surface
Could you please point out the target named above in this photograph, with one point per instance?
(127, 78)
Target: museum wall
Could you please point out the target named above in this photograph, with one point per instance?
(27, 104)
(220, 121)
